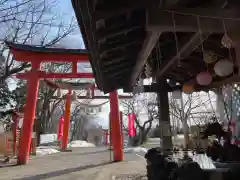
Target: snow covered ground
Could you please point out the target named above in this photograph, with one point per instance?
(79, 143)
(135, 150)
(45, 150)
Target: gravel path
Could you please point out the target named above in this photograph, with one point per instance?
(82, 163)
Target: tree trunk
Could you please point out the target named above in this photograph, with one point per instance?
(186, 133)
(142, 136)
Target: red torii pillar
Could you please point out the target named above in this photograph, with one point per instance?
(67, 117)
(29, 115)
(115, 119)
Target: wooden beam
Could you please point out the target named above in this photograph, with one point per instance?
(229, 80)
(109, 48)
(104, 33)
(45, 75)
(111, 69)
(119, 72)
(153, 88)
(114, 12)
(184, 52)
(30, 56)
(149, 43)
(186, 19)
(98, 97)
(109, 44)
(111, 61)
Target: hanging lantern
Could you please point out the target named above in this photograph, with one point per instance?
(223, 68)
(176, 94)
(227, 42)
(209, 57)
(188, 88)
(204, 78)
(59, 94)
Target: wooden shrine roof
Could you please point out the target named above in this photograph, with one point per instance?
(123, 36)
(39, 49)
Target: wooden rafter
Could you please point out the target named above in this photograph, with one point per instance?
(186, 19)
(184, 52)
(103, 33)
(149, 43)
(128, 7)
(118, 66)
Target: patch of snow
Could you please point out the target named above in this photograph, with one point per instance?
(47, 138)
(79, 143)
(135, 150)
(44, 150)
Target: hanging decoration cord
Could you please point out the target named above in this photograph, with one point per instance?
(202, 16)
(201, 39)
(176, 38)
(229, 49)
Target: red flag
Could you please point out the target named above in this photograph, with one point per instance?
(60, 128)
(131, 126)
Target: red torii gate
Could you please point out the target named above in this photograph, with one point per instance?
(37, 55)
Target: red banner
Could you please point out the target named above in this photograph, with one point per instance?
(60, 128)
(131, 125)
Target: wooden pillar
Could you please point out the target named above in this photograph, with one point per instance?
(116, 127)
(237, 51)
(29, 116)
(164, 117)
(66, 121)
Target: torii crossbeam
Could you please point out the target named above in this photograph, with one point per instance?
(38, 55)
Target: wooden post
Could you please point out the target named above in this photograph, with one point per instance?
(237, 51)
(116, 127)
(164, 118)
(29, 115)
(66, 121)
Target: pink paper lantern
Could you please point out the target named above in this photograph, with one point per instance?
(204, 78)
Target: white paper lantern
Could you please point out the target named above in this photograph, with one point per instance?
(227, 41)
(223, 68)
(209, 57)
(176, 94)
(204, 78)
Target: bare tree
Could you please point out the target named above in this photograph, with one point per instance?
(193, 105)
(29, 22)
(80, 120)
(193, 109)
(8, 9)
(143, 105)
